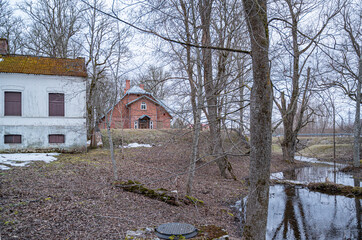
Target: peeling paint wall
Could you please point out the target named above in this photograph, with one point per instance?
(34, 124)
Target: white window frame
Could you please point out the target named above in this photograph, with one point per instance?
(143, 106)
(151, 124)
(136, 125)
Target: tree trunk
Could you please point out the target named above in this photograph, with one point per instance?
(357, 121)
(196, 101)
(205, 7)
(111, 148)
(241, 94)
(289, 142)
(288, 149)
(195, 151)
(260, 119)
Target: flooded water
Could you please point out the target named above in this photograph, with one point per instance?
(296, 213)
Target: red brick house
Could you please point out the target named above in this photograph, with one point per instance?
(139, 109)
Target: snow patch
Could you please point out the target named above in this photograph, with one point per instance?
(277, 176)
(99, 143)
(23, 159)
(314, 160)
(135, 145)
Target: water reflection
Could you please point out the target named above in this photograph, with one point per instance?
(297, 213)
(358, 211)
(317, 174)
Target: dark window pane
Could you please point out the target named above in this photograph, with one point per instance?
(56, 104)
(12, 139)
(12, 103)
(56, 138)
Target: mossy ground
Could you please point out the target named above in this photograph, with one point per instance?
(336, 189)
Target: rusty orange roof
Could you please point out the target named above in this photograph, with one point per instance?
(42, 65)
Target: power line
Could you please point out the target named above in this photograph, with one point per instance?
(114, 16)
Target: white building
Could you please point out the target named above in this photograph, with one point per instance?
(42, 103)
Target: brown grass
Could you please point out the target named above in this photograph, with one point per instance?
(73, 198)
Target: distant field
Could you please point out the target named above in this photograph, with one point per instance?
(319, 147)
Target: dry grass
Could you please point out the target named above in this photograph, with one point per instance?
(145, 136)
(73, 198)
(326, 150)
(319, 147)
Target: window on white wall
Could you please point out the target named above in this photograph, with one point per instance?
(151, 124)
(56, 104)
(143, 106)
(56, 138)
(135, 124)
(12, 103)
(12, 139)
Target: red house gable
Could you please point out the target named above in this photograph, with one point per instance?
(138, 109)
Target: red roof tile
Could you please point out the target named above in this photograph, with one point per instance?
(43, 65)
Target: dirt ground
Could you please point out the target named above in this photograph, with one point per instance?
(73, 198)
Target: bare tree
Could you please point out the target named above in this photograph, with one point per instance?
(154, 81)
(11, 28)
(212, 89)
(108, 92)
(55, 25)
(260, 127)
(108, 96)
(346, 60)
(298, 40)
(100, 42)
(357, 121)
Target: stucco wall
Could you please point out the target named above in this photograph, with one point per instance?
(35, 124)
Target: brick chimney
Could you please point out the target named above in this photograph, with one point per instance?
(142, 86)
(128, 86)
(3, 46)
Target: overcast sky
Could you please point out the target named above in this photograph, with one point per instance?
(143, 54)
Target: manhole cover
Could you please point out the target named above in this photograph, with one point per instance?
(166, 230)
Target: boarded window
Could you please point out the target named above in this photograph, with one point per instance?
(12, 103)
(12, 139)
(56, 104)
(56, 138)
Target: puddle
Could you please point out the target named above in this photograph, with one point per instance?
(295, 212)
